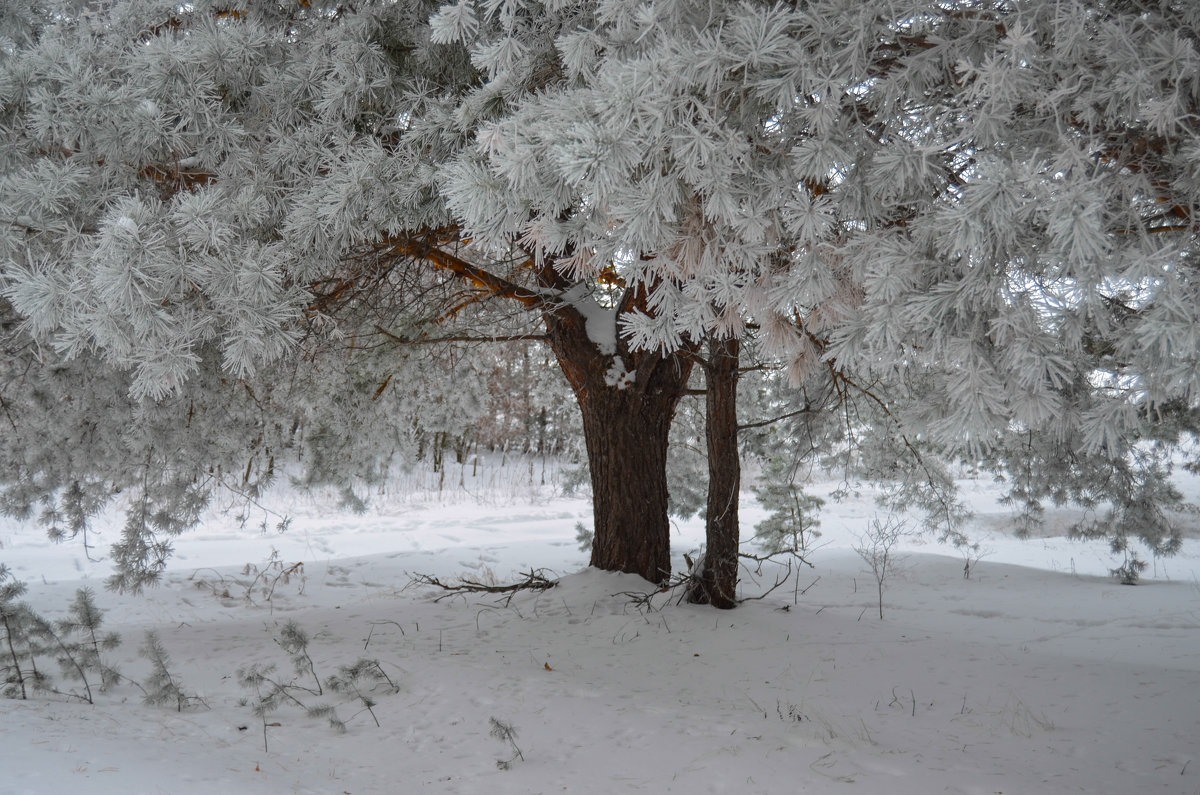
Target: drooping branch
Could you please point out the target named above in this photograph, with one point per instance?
(808, 408)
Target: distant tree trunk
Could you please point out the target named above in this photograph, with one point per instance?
(716, 582)
(625, 427)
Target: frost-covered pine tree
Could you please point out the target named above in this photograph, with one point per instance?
(190, 297)
(193, 194)
(976, 217)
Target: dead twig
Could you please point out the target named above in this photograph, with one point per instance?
(534, 580)
(645, 599)
(779, 580)
(774, 557)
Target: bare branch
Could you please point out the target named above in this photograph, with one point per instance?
(427, 340)
(535, 580)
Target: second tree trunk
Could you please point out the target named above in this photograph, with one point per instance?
(716, 581)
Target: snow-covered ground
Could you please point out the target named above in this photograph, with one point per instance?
(1039, 674)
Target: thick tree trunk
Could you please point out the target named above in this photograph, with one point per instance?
(627, 400)
(626, 436)
(716, 582)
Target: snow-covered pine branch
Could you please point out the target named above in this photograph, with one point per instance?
(988, 212)
(979, 220)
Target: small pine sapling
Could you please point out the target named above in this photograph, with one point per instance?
(793, 522)
(84, 619)
(74, 642)
(505, 733)
(161, 686)
(328, 713)
(294, 640)
(19, 623)
(583, 537)
(68, 655)
(268, 694)
(369, 672)
(1130, 571)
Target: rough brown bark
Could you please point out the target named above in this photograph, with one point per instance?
(626, 439)
(625, 430)
(716, 581)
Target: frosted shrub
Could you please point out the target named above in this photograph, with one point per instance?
(877, 547)
(76, 643)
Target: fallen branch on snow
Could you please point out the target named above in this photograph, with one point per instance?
(534, 580)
